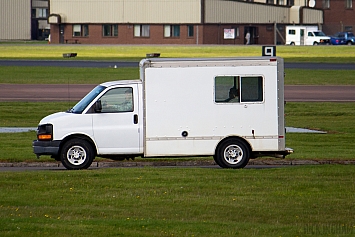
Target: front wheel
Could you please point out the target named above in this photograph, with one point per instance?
(232, 153)
(77, 154)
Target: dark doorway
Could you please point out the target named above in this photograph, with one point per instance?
(61, 34)
(254, 34)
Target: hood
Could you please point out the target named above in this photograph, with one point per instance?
(56, 117)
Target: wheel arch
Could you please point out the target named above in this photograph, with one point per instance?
(243, 140)
(79, 136)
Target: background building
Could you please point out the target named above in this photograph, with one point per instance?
(39, 14)
(15, 20)
(24, 19)
(339, 15)
(175, 21)
(169, 21)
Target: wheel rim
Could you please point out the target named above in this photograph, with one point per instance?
(76, 155)
(233, 154)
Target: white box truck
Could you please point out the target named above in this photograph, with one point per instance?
(228, 108)
(305, 35)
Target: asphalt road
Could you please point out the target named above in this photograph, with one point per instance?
(78, 63)
(73, 92)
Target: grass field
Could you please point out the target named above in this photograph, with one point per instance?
(298, 201)
(329, 53)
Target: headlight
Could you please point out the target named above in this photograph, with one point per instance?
(45, 132)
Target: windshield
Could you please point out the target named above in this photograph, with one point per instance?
(319, 33)
(84, 102)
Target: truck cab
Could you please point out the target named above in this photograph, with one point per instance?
(317, 37)
(107, 121)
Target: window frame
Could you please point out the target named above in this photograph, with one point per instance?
(172, 31)
(326, 4)
(117, 106)
(141, 31)
(83, 32)
(112, 30)
(240, 89)
(348, 4)
(190, 31)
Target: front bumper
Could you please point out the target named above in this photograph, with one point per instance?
(324, 41)
(46, 147)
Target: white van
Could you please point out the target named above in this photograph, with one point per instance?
(305, 35)
(228, 108)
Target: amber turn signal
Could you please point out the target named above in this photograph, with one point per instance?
(45, 137)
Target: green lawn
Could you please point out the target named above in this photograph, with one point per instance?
(329, 53)
(297, 201)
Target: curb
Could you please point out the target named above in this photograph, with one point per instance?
(105, 164)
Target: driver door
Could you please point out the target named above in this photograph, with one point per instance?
(116, 127)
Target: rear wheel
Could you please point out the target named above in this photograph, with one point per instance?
(77, 154)
(232, 153)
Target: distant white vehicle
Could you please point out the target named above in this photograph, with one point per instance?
(228, 108)
(305, 35)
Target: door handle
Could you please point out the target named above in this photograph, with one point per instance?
(135, 119)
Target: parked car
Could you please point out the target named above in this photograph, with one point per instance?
(342, 38)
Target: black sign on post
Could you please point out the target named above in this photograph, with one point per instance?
(269, 51)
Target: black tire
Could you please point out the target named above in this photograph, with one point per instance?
(292, 43)
(218, 162)
(315, 43)
(77, 154)
(232, 153)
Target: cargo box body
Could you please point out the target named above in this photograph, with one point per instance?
(181, 98)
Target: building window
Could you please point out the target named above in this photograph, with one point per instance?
(80, 30)
(326, 4)
(348, 28)
(236, 31)
(190, 31)
(349, 4)
(290, 2)
(269, 1)
(141, 30)
(33, 13)
(109, 30)
(171, 31)
(39, 13)
(42, 12)
(280, 2)
(237, 89)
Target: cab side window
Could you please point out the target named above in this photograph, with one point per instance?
(117, 100)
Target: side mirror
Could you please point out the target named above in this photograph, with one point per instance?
(98, 106)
